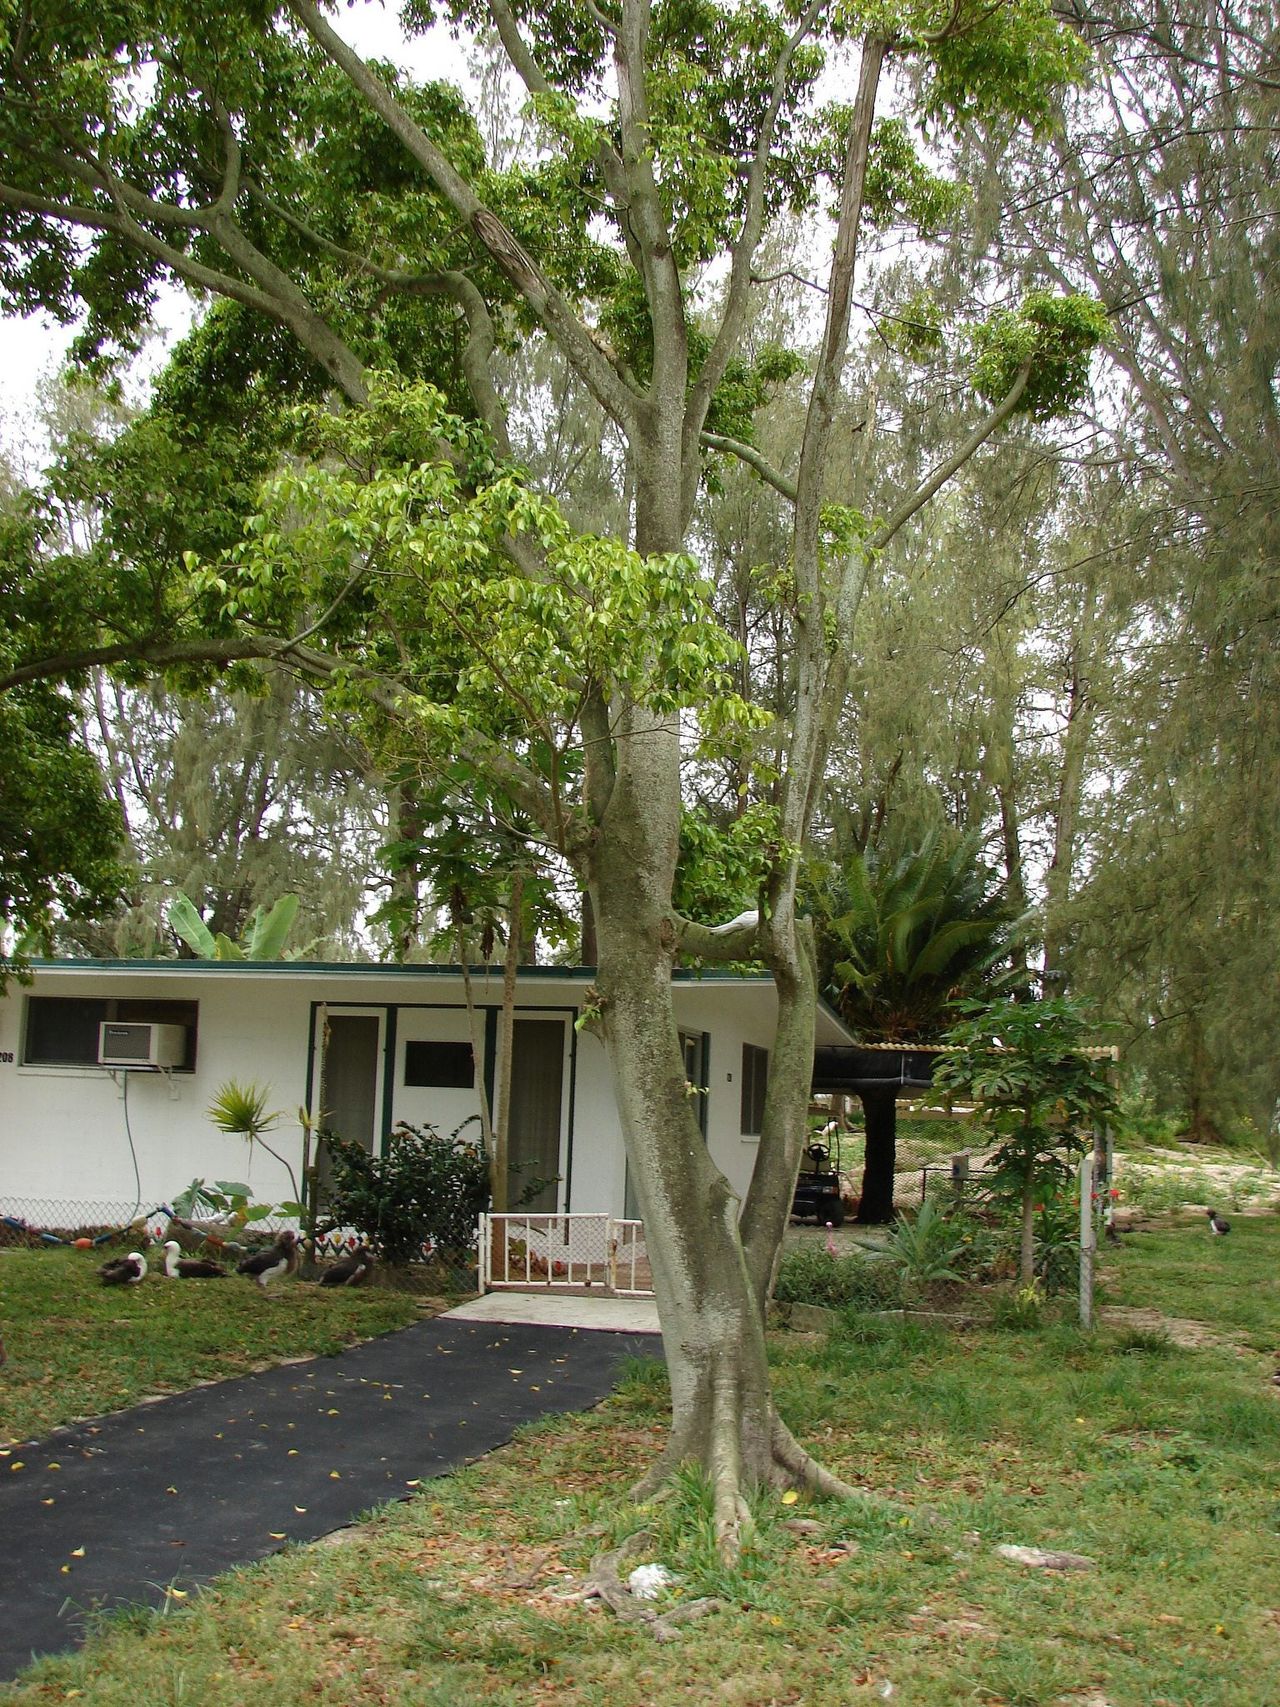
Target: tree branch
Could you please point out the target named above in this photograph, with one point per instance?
(647, 219)
(391, 697)
(826, 381)
(477, 352)
(736, 940)
(752, 457)
(547, 303)
(943, 472)
(743, 252)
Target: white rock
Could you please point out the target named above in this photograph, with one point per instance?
(647, 1582)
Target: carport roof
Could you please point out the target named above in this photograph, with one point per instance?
(865, 1066)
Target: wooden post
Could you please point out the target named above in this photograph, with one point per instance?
(1088, 1241)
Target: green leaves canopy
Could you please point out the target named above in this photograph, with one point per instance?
(1024, 1067)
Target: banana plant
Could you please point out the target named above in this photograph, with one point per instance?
(265, 934)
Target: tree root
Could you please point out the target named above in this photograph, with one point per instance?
(804, 1471)
(604, 1583)
(732, 1517)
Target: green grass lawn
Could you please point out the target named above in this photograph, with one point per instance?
(77, 1348)
(1232, 1283)
(1158, 1463)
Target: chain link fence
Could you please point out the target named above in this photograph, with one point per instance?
(40, 1223)
(923, 1156)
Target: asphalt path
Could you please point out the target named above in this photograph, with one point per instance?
(130, 1507)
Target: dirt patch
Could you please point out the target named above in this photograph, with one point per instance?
(1191, 1335)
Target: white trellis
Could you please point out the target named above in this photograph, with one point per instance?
(581, 1253)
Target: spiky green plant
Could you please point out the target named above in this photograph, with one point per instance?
(241, 1112)
(901, 940)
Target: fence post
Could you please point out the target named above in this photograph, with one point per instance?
(486, 1254)
(1088, 1241)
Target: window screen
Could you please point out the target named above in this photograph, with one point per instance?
(441, 1064)
(62, 1031)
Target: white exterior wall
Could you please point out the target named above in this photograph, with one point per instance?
(63, 1134)
(732, 1015)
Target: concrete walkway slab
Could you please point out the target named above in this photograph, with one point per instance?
(563, 1310)
(112, 1512)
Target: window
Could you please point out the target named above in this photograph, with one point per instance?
(755, 1076)
(439, 1064)
(62, 1031)
(695, 1047)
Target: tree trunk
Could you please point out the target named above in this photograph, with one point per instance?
(506, 1046)
(1081, 715)
(880, 1108)
(723, 1417)
(588, 951)
(475, 1030)
(1027, 1255)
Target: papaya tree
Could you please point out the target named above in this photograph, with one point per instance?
(1036, 1090)
(371, 262)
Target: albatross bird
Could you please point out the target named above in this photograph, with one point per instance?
(352, 1270)
(1218, 1224)
(277, 1260)
(178, 1267)
(124, 1271)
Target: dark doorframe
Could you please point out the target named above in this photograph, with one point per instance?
(349, 1060)
(537, 1111)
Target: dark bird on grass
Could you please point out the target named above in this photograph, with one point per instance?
(178, 1267)
(273, 1263)
(124, 1271)
(352, 1270)
(1218, 1224)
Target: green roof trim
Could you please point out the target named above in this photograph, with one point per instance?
(377, 969)
(380, 969)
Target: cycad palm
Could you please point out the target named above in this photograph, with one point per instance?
(913, 935)
(903, 939)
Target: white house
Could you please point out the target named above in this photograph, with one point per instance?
(360, 1048)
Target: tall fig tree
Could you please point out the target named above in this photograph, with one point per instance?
(362, 254)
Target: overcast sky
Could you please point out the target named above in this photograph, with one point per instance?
(34, 347)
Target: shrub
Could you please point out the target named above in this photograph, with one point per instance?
(809, 1274)
(427, 1190)
(927, 1249)
(1021, 1309)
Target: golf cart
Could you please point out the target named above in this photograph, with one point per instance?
(817, 1190)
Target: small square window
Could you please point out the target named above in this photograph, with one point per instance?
(443, 1065)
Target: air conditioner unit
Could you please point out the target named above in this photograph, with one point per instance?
(132, 1043)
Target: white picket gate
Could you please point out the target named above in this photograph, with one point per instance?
(527, 1252)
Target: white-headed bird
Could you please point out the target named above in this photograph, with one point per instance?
(124, 1271)
(273, 1263)
(353, 1269)
(178, 1267)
